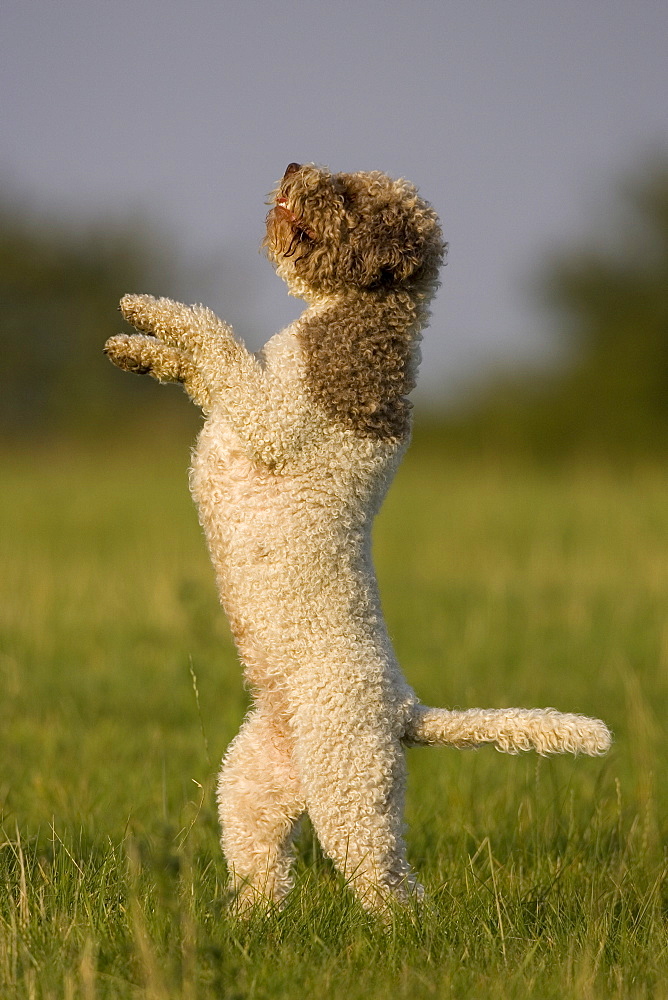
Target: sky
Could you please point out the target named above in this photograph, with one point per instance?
(515, 118)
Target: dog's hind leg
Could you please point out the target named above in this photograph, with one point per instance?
(260, 800)
(354, 779)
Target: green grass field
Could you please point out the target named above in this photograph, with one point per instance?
(502, 584)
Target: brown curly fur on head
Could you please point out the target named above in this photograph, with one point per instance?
(370, 247)
(333, 233)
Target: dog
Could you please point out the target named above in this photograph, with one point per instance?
(299, 446)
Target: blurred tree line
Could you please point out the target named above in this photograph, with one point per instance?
(59, 288)
(609, 393)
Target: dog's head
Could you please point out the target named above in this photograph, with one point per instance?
(331, 233)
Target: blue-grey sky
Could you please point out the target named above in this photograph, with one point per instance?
(515, 118)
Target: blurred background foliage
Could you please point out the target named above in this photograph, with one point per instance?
(60, 285)
(607, 302)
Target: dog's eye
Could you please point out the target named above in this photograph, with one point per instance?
(301, 238)
(306, 232)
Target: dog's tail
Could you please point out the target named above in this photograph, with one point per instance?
(511, 730)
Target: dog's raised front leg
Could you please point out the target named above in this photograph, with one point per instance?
(149, 356)
(260, 800)
(234, 377)
(194, 329)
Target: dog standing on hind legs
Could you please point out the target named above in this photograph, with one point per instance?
(298, 448)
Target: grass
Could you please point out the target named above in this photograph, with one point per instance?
(503, 584)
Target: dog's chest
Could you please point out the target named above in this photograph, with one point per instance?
(224, 480)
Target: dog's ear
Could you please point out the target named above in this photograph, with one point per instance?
(384, 250)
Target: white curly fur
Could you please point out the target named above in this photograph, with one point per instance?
(286, 496)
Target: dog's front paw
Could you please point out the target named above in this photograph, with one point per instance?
(128, 352)
(139, 311)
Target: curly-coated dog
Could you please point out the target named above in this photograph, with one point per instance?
(298, 449)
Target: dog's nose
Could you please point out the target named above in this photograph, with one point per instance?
(291, 169)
